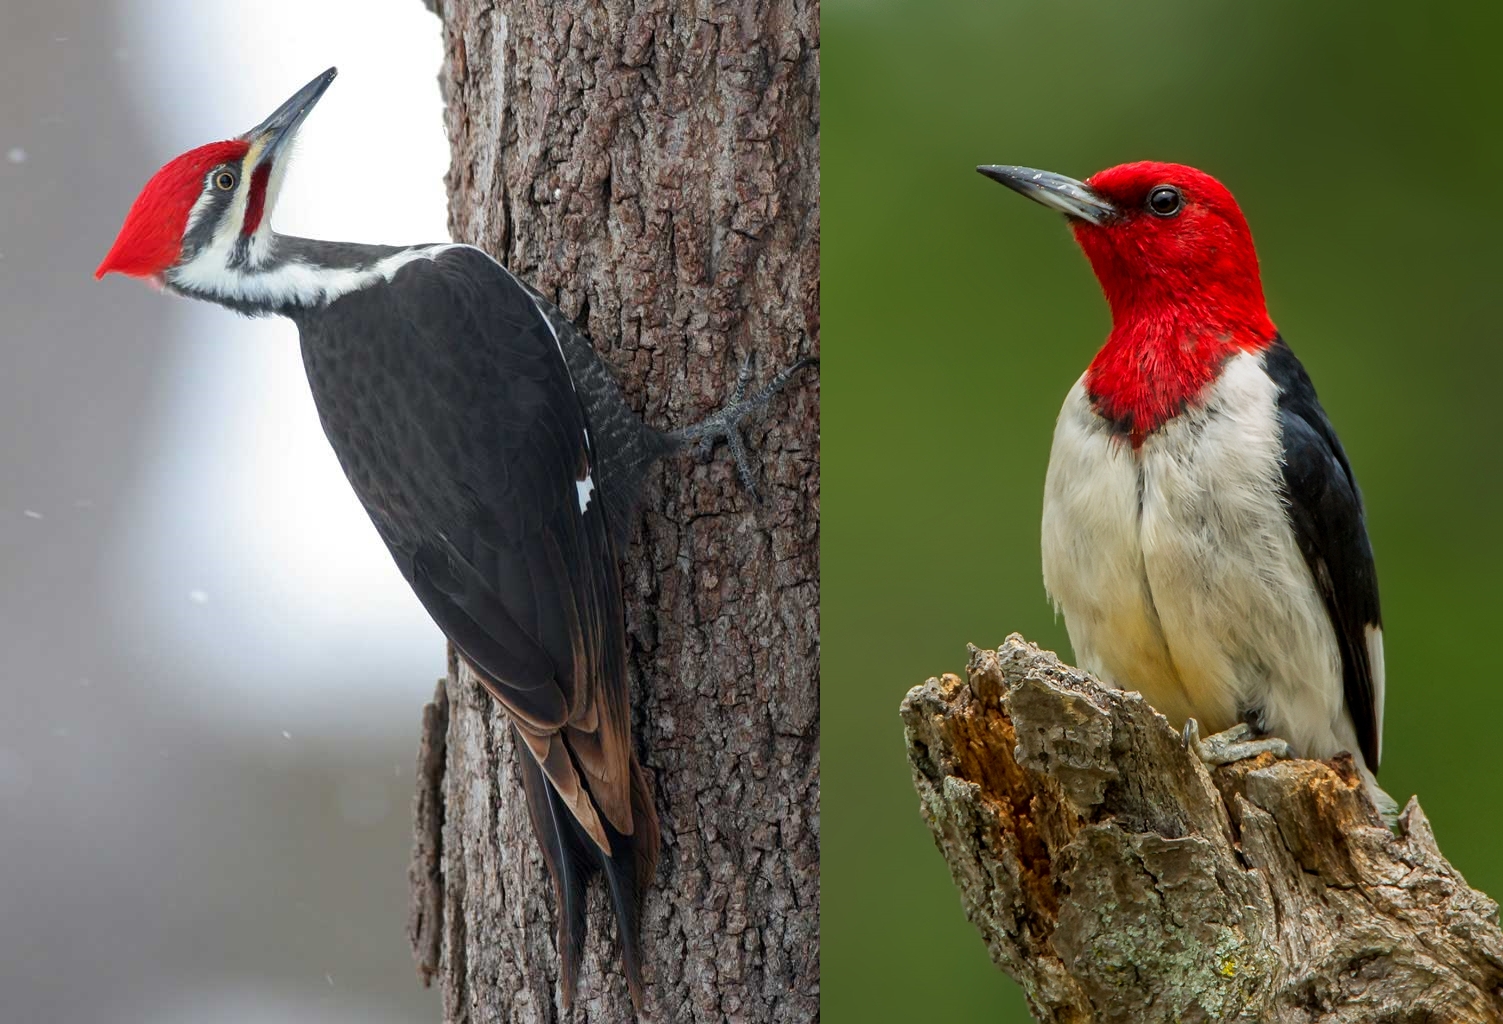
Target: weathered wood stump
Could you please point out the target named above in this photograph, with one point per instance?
(1116, 878)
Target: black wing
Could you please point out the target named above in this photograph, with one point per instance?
(1325, 508)
(450, 406)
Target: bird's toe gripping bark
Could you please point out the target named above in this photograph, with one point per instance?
(1230, 745)
(724, 424)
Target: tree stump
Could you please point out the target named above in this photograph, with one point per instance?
(653, 167)
(1117, 879)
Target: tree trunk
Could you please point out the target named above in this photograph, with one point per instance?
(1115, 878)
(654, 168)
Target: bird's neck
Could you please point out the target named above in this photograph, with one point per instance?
(285, 274)
(1164, 351)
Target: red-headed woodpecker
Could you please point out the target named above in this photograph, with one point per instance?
(1203, 532)
(496, 457)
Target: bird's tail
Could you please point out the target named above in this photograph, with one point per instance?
(573, 857)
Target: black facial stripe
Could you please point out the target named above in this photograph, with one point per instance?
(211, 216)
(240, 252)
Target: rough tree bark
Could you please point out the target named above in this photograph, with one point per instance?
(1115, 878)
(653, 166)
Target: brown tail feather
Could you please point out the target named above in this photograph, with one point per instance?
(573, 856)
(556, 828)
(628, 873)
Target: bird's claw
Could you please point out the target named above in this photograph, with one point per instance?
(1230, 744)
(725, 423)
(743, 378)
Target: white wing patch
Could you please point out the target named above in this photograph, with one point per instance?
(585, 487)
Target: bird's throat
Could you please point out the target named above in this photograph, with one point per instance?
(1154, 367)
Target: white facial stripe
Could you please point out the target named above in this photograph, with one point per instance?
(229, 228)
(200, 205)
(293, 284)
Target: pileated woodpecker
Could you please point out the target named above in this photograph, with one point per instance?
(1203, 531)
(496, 457)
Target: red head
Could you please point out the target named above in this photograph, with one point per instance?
(202, 217)
(1176, 260)
(151, 240)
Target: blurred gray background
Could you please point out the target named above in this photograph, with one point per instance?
(212, 675)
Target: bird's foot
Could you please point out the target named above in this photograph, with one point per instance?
(724, 424)
(1230, 744)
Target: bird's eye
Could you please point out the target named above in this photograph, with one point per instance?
(224, 181)
(1165, 201)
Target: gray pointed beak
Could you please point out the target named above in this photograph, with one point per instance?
(269, 137)
(1070, 197)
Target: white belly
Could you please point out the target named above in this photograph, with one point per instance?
(1178, 573)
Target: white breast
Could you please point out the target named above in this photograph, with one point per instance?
(1178, 572)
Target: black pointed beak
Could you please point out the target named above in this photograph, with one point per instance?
(268, 138)
(1070, 197)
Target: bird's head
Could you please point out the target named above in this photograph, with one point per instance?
(1167, 242)
(206, 214)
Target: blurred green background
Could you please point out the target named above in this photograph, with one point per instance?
(1364, 143)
